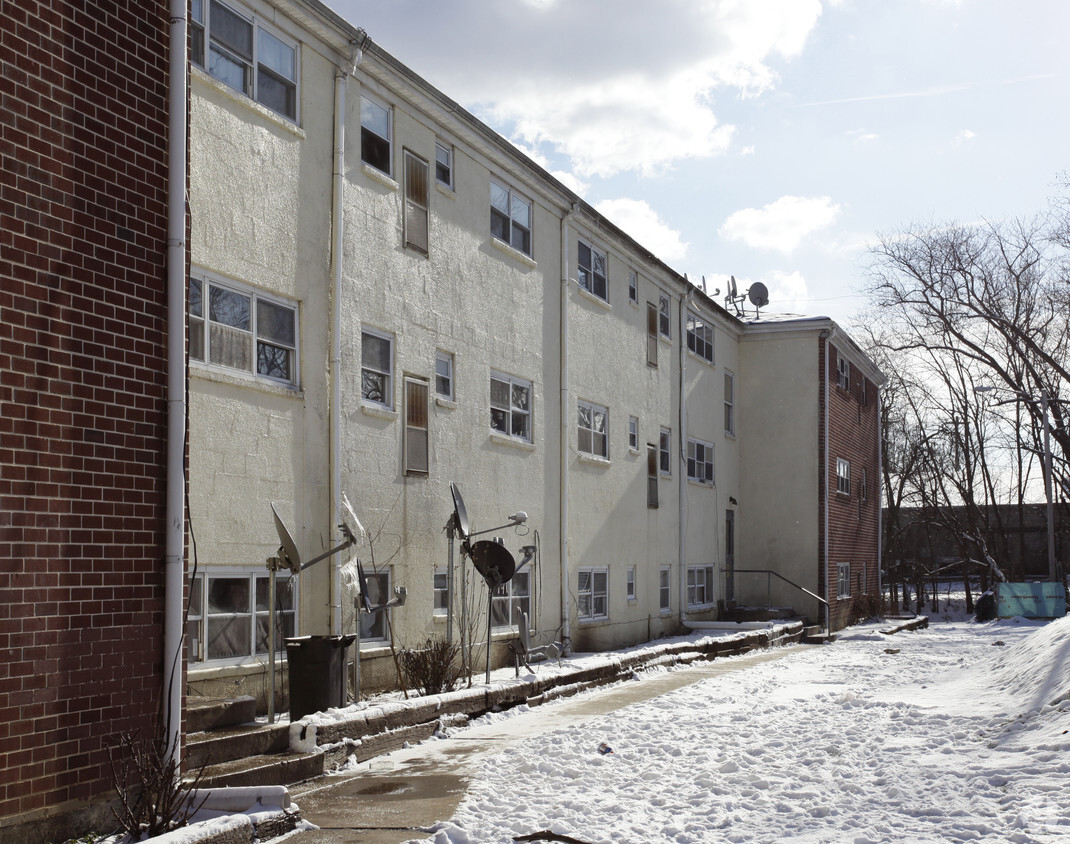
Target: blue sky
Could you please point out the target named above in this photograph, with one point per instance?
(768, 139)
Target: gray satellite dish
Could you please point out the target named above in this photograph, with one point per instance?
(289, 556)
(732, 286)
(758, 295)
(459, 513)
(493, 561)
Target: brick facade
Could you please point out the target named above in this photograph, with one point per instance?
(82, 391)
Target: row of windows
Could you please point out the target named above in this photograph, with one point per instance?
(592, 590)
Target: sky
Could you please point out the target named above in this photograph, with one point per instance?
(772, 140)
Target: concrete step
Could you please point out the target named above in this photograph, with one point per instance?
(226, 744)
(264, 769)
(815, 634)
(212, 713)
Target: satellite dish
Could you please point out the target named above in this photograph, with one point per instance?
(493, 561)
(289, 556)
(732, 286)
(758, 294)
(350, 521)
(460, 515)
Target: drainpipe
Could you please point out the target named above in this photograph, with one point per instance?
(681, 466)
(341, 77)
(880, 493)
(175, 529)
(566, 634)
(825, 469)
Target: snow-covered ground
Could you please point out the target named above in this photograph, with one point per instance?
(960, 732)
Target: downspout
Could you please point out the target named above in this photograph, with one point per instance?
(341, 78)
(825, 469)
(880, 493)
(175, 538)
(681, 466)
(566, 634)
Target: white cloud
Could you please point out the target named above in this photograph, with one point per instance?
(860, 136)
(781, 225)
(640, 221)
(788, 292)
(965, 136)
(748, 150)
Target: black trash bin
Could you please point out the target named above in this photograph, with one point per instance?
(317, 673)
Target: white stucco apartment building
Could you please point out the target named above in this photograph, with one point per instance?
(387, 297)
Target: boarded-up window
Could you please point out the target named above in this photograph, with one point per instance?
(416, 236)
(651, 334)
(416, 461)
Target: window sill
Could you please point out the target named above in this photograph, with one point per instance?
(703, 484)
(375, 649)
(233, 94)
(449, 404)
(701, 359)
(700, 607)
(378, 411)
(446, 190)
(730, 435)
(377, 175)
(512, 442)
(633, 450)
(634, 303)
(593, 459)
(251, 382)
(598, 300)
(516, 254)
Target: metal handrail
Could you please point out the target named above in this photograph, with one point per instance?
(791, 583)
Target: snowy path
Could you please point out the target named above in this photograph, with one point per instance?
(840, 743)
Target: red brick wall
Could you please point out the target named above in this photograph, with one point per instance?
(852, 522)
(83, 98)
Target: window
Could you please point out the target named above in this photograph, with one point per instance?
(651, 334)
(699, 587)
(441, 592)
(244, 55)
(633, 286)
(593, 594)
(245, 330)
(416, 460)
(593, 429)
(652, 476)
(416, 199)
(510, 600)
(664, 593)
(862, 392)
(665, 451)
(862, 491)
(377, 367)
(444, 163)
(375, 627)
(229, 615)
(630, 583)
(699, 461)
(843, 580)
(444, 374)
(510, 217)
(700, 337)
(843, 476)
(633, 433)
(730, 403)
(375, 135)
(843, 369)
(591, 271)
(664, 325)
(510, 406)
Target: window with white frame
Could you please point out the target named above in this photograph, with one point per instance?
(665, 451)
(699, 461)
(591, 270)
(444, 374)
(441, 592)
(236, 328)
(843, 373)
(664, 320)
(510, 217)
(377, 367)
(592, 594)
(633, 286)
(843, 580)
(510, 600)
(651, 334)
(843, 476)
(510, 406)
(229, 615)
(416, 204)
(699, 587)
(593, 429)
(416, 427)
(729, 403)
(633, 433)
(444, 163)
(652, 476)
(375, 627)
(699, 336)
(238, 49)
(630, 583)
(664, 591)
(376, 135)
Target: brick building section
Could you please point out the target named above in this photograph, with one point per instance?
(853, 520)
(83, 133)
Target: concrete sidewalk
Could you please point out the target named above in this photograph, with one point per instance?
(397, 797)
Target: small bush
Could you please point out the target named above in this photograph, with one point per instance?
(864, 607)
(432, 666)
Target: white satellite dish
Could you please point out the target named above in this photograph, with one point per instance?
(350, 520)
(289, 556)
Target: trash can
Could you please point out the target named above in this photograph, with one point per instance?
(317, 669)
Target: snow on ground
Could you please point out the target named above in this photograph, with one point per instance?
(960, 735)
